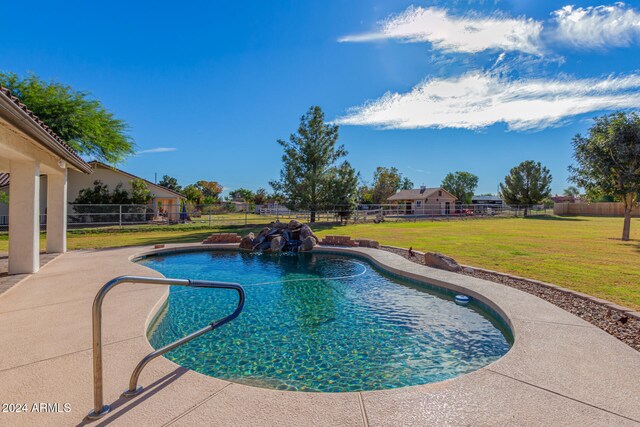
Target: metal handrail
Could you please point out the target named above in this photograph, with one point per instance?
(99, 408)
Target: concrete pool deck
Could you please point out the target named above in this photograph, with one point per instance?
(560, 371)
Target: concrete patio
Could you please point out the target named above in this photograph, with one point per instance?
(560, 371)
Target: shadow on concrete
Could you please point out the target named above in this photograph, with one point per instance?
(123, 405)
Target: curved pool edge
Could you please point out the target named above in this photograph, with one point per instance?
(577, 372)
(385, 261)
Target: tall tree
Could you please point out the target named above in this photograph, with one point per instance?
(308, 173)
(608, 161)
(170, 182)
(406, 184)
(82, 121)
(193, 193)
(462, 185)
(527, 184)
(242, 194)
(386, 181)
(210, 189)
(260, 198)
(571, 191)
(343, 189)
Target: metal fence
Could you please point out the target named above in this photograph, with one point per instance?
(225, 214)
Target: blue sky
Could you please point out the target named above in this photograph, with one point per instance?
(471, 85)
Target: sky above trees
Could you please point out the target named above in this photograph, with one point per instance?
(428, 87)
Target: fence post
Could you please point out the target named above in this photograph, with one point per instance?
(120, 215)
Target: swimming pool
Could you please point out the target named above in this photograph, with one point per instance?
(321, 322)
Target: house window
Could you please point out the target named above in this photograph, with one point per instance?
(418, 203)
(440, 193)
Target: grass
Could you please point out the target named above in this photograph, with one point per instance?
(580, 253)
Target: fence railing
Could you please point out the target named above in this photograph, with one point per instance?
(223, 214)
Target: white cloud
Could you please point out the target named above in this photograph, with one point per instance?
(477, 100)
(157, 150)
(465, 34)
(597, 27)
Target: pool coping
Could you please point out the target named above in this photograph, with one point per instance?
(561, 370)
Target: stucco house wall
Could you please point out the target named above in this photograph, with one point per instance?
(425, 201)
(77, 181)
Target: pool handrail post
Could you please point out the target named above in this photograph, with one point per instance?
(99, 408)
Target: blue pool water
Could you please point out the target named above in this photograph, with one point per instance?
(320, 322)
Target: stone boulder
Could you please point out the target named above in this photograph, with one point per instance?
(277, 243)
(306, 231)
(247, 241)
(307, 244)
(293, 224)
(443, 262)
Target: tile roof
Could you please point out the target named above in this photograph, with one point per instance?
(7, 93)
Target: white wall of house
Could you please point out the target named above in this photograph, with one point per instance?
(111, 177)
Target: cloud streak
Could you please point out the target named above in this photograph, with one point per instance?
(597, 27)
(157, 150)
(466, 34)
(478, 100)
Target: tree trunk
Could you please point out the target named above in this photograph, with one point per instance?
(626, 229)
(526, 211)
(313, 216)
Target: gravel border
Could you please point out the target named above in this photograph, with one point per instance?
(621, 322)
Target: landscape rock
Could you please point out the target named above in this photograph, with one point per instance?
(307, 243)
(468, 270)
(247, 241)
(293, 224)
(305, 231)
(277, 243)
(443, 262)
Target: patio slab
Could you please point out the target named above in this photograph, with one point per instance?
(560, 371)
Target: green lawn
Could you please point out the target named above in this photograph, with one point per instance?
(580, 253)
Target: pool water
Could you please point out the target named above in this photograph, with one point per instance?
(320, 322)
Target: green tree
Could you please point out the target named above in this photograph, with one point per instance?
(308, 173)
(193, 193)
(343, 189)
(527, 184)
(170, 182)
(608, 161)
(210, 189)
(83, 122)
(261, 196)
(4, 197)
(386, 182)
(242, 194)
(406, 184)
(140, 194)
(571, 191)
(462, 185)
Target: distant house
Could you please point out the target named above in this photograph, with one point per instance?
(425, 201)
(487, 200)
(162, 199)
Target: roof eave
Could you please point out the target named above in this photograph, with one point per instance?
(27, 125)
